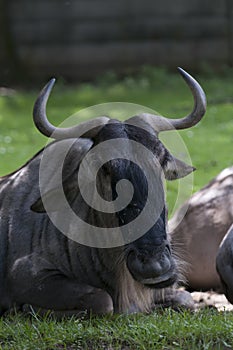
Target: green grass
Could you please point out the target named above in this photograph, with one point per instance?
(210, 148)
(162, 330)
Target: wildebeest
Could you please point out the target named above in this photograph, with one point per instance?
(208, 216)
(42, 267)
(224, 264)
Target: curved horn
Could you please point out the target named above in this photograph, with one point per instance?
(162, 124)
(86, 129)
(199, 104)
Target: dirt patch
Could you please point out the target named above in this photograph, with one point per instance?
(211, 300)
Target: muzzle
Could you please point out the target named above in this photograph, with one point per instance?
(152, 266)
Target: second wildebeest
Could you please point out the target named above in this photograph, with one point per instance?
(208, 216)
(43, 267)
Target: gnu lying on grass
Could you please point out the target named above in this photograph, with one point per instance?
(41, 266)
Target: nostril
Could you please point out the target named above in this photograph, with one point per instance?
(142, 258)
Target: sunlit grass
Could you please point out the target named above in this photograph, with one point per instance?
(167, 329)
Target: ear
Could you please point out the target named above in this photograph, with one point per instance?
(175, 169)
(53, 199)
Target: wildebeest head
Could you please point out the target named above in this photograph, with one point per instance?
(148, 258)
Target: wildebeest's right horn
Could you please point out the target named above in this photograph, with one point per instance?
(163, 124)
(86, 129)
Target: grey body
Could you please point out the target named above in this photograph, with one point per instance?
(199, 234)
(42, 267)
(35, 258)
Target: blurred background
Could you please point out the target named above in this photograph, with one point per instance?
(81, 39)
(125, 50)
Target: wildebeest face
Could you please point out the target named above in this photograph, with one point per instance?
(149, 257)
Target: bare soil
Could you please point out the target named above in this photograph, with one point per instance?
(211, 300)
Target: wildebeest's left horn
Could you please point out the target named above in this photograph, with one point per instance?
(163, 124)
(86, 129)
